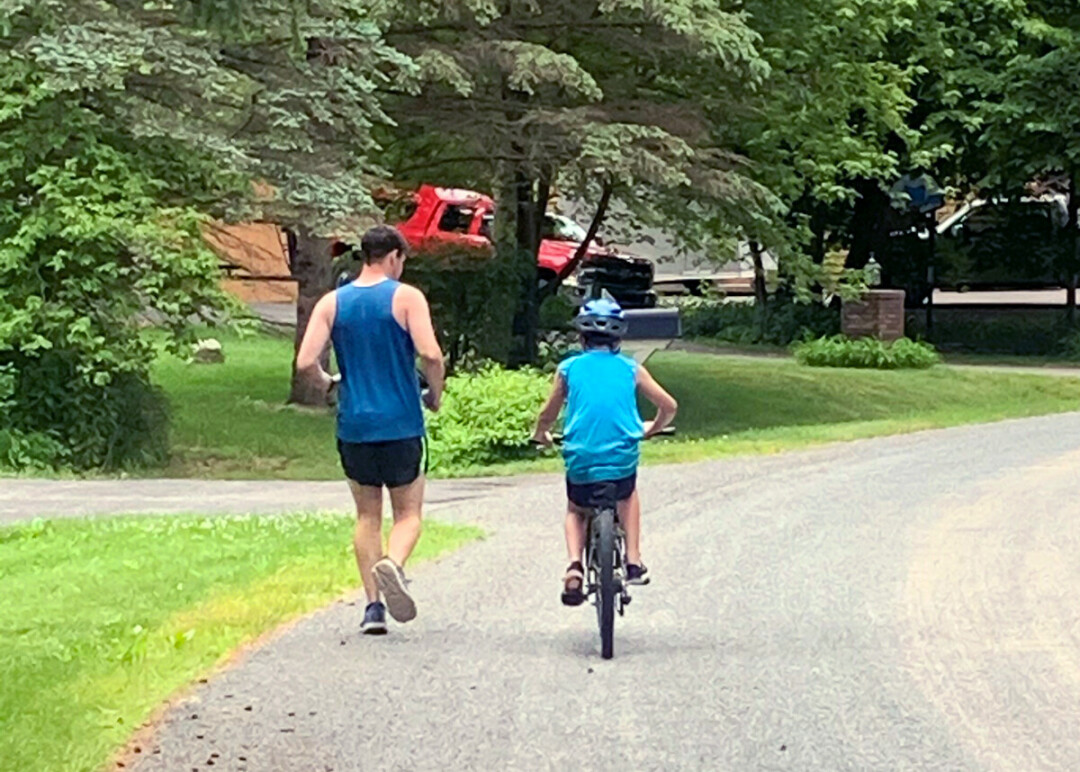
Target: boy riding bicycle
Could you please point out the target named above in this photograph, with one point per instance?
(603, 430)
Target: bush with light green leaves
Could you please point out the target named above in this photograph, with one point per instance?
(486, 416)
(94, 239)
(840, 351)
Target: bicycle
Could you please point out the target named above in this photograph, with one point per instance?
(605, 559)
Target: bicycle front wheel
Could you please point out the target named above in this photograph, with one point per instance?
(605, 596)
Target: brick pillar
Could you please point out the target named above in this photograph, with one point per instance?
(878, 314)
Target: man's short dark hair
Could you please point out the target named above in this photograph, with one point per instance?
(380, 241)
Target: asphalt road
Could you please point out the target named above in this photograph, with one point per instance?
(27, 498)
(905, 603)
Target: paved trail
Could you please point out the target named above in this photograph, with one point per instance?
(905, 603)
(22, 499)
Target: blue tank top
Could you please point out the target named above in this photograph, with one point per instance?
(603, 428)
(379, 396)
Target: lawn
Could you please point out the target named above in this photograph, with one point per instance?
(736, 405)
(229, 420)
(101, 620)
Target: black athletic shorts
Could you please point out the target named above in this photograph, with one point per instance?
(588, 494)
(393, 464)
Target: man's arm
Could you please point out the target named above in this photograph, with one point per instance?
(422, 332)
(316, 336)
(665, 404)
(549, 414)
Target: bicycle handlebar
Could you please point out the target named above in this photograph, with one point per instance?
(557, 439)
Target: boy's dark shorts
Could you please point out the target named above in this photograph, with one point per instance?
(587, 495)
(377, 464)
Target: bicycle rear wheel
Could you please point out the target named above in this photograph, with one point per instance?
(605, 596)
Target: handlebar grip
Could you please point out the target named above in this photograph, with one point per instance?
(557, 439)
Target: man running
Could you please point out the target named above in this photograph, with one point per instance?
(378, 326)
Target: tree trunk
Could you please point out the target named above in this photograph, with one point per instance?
(310, 263)
(590, 235)
(817, 228)
(525, 244)
(868, 223)
(931, 275)
(761, 292)
(543, 193)
(1072, 244)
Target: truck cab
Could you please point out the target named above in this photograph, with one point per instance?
(442, 216)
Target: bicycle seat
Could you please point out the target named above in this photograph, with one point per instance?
(603, 496)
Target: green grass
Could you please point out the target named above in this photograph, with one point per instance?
(102, 620)
(229, 420)
(705, 344)
(731, 405)
(1011, 360)
(702, 344)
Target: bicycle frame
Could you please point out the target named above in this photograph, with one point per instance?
(605, 565)
(605, 559)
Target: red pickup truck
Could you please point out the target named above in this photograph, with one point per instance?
(448, 215)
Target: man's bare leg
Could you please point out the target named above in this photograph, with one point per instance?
(630, 517)
(407, 502)
(367, 540)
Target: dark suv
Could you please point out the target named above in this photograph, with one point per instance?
(994, 244)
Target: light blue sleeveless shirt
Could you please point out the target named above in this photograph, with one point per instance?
(603, 429)
(379, 396)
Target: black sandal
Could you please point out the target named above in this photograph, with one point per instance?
(573, 585)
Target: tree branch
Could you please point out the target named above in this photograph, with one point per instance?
(457, 160)
(594, 228)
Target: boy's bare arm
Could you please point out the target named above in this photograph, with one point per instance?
(550, 412)
(665, 404)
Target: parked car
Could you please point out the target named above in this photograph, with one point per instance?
(986, 244)
(448, 215)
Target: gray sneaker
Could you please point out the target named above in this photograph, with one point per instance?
(391, 581)
(374, 619)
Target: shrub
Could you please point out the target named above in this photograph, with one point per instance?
(472, 296)
(121, 423)
(839, 351)
(82, 258)
(486, 416)
(1034, 332)
(557, 313)
(554, 347)
(736, 322)
(1070, 346)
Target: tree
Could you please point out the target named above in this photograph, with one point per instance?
(1028, 117)
(862, 91)
(123, 125)
(97, 227)
(831, 126)
(311, 73)
(588, 96)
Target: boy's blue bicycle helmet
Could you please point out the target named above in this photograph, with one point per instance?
(602, 315)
